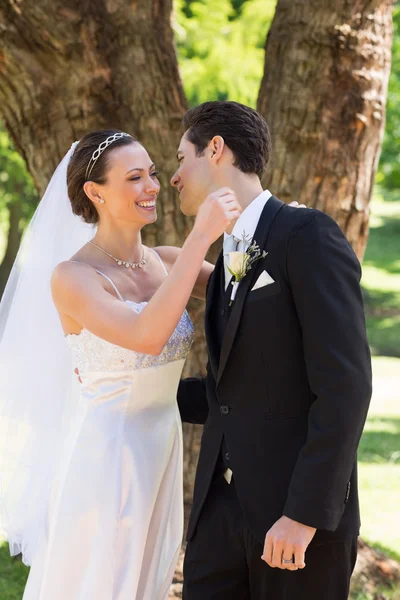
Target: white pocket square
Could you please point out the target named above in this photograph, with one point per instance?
(264, 279)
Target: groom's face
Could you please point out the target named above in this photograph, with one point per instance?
(193, 177)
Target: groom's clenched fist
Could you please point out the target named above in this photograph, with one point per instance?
(286, 543)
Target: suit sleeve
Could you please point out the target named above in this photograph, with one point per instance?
(324, 276)
(192, 400)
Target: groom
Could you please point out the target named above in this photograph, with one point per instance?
(275, 512)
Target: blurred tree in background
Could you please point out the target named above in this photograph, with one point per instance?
(324, 92)
(389, 167)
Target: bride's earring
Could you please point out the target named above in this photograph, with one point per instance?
(101, 201)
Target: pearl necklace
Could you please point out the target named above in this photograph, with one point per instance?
(120, 262)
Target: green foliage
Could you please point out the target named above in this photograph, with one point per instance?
(389, 167)
(221, 47)
(381, 275)
(16, 185)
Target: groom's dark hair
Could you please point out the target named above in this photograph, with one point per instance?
(244, 130)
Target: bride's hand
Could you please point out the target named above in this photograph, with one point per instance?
(216, 214)
(297, 205)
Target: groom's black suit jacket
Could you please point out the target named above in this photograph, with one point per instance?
(288, 379)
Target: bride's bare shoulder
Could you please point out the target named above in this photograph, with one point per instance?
(68, 268)
(69, 274)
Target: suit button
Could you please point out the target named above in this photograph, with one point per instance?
(223, 312)
(224, 409)
(227, 457)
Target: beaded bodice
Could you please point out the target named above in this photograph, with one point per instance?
(92, 353)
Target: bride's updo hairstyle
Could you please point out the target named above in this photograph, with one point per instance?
(90, 162)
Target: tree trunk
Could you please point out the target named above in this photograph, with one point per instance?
(323, 94)
(67, 68)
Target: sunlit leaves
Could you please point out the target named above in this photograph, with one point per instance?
(221, 47)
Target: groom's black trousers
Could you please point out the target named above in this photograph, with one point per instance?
(223, 560)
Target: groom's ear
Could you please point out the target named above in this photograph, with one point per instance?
(216, 148)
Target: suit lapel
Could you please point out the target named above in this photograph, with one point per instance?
(271, 209)
(212, 290)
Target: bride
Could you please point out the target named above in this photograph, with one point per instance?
(91, 478)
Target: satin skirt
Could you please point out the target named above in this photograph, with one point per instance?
(115, 516)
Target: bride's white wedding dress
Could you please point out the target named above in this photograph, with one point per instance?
(115, 521)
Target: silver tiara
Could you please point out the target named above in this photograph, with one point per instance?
(100, 150)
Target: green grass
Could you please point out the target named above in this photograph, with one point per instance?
(381, 276)
(378, 594)
(379, 457)
(379, 452)
(13, 576)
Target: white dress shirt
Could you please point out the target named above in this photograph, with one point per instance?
(247, 222)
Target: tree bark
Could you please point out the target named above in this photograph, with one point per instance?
(323, 94)
(69, 67)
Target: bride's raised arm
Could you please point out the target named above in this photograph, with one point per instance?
(79, 295)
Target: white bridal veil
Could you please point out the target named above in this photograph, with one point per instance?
(39, 394)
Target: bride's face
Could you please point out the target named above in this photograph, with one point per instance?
(131, 191)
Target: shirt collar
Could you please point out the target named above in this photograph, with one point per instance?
(248, 220)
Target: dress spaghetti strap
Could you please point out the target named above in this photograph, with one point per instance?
(159, 258)
(106, 276)
(112, 283)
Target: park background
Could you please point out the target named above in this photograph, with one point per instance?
(220, 47)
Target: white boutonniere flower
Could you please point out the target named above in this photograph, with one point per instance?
(240, 263)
